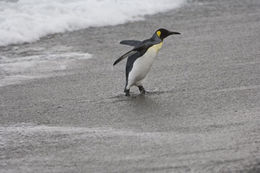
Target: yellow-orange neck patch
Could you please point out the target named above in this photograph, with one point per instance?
(158, 33)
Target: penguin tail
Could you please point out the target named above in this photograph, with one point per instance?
(127, 54)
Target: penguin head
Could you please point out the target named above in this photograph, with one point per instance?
(163, 33)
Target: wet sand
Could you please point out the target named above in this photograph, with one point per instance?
(202, 112)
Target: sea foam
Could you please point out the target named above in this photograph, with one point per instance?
(28, 20)
(15, 70)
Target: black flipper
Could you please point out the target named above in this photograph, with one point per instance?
(131, 52)
(131, 42)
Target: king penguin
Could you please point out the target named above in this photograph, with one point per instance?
(141, 57)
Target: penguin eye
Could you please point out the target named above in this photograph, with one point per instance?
(158, 33)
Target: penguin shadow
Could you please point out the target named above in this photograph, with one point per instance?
(139, 98)
(140, 103)
(143, 100)
(123, 98)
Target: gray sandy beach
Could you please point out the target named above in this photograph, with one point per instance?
(201, 112)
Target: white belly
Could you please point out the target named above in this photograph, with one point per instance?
(142, 66)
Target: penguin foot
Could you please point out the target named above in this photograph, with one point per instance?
(141, 89)
(127, 92)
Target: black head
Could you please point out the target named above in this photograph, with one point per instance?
(163, 33)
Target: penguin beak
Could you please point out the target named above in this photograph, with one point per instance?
(173, 33)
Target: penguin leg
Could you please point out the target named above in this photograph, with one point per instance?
(127, 92)
(127, 89)
(141, 89)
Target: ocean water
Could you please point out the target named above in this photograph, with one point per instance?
(26, 21)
